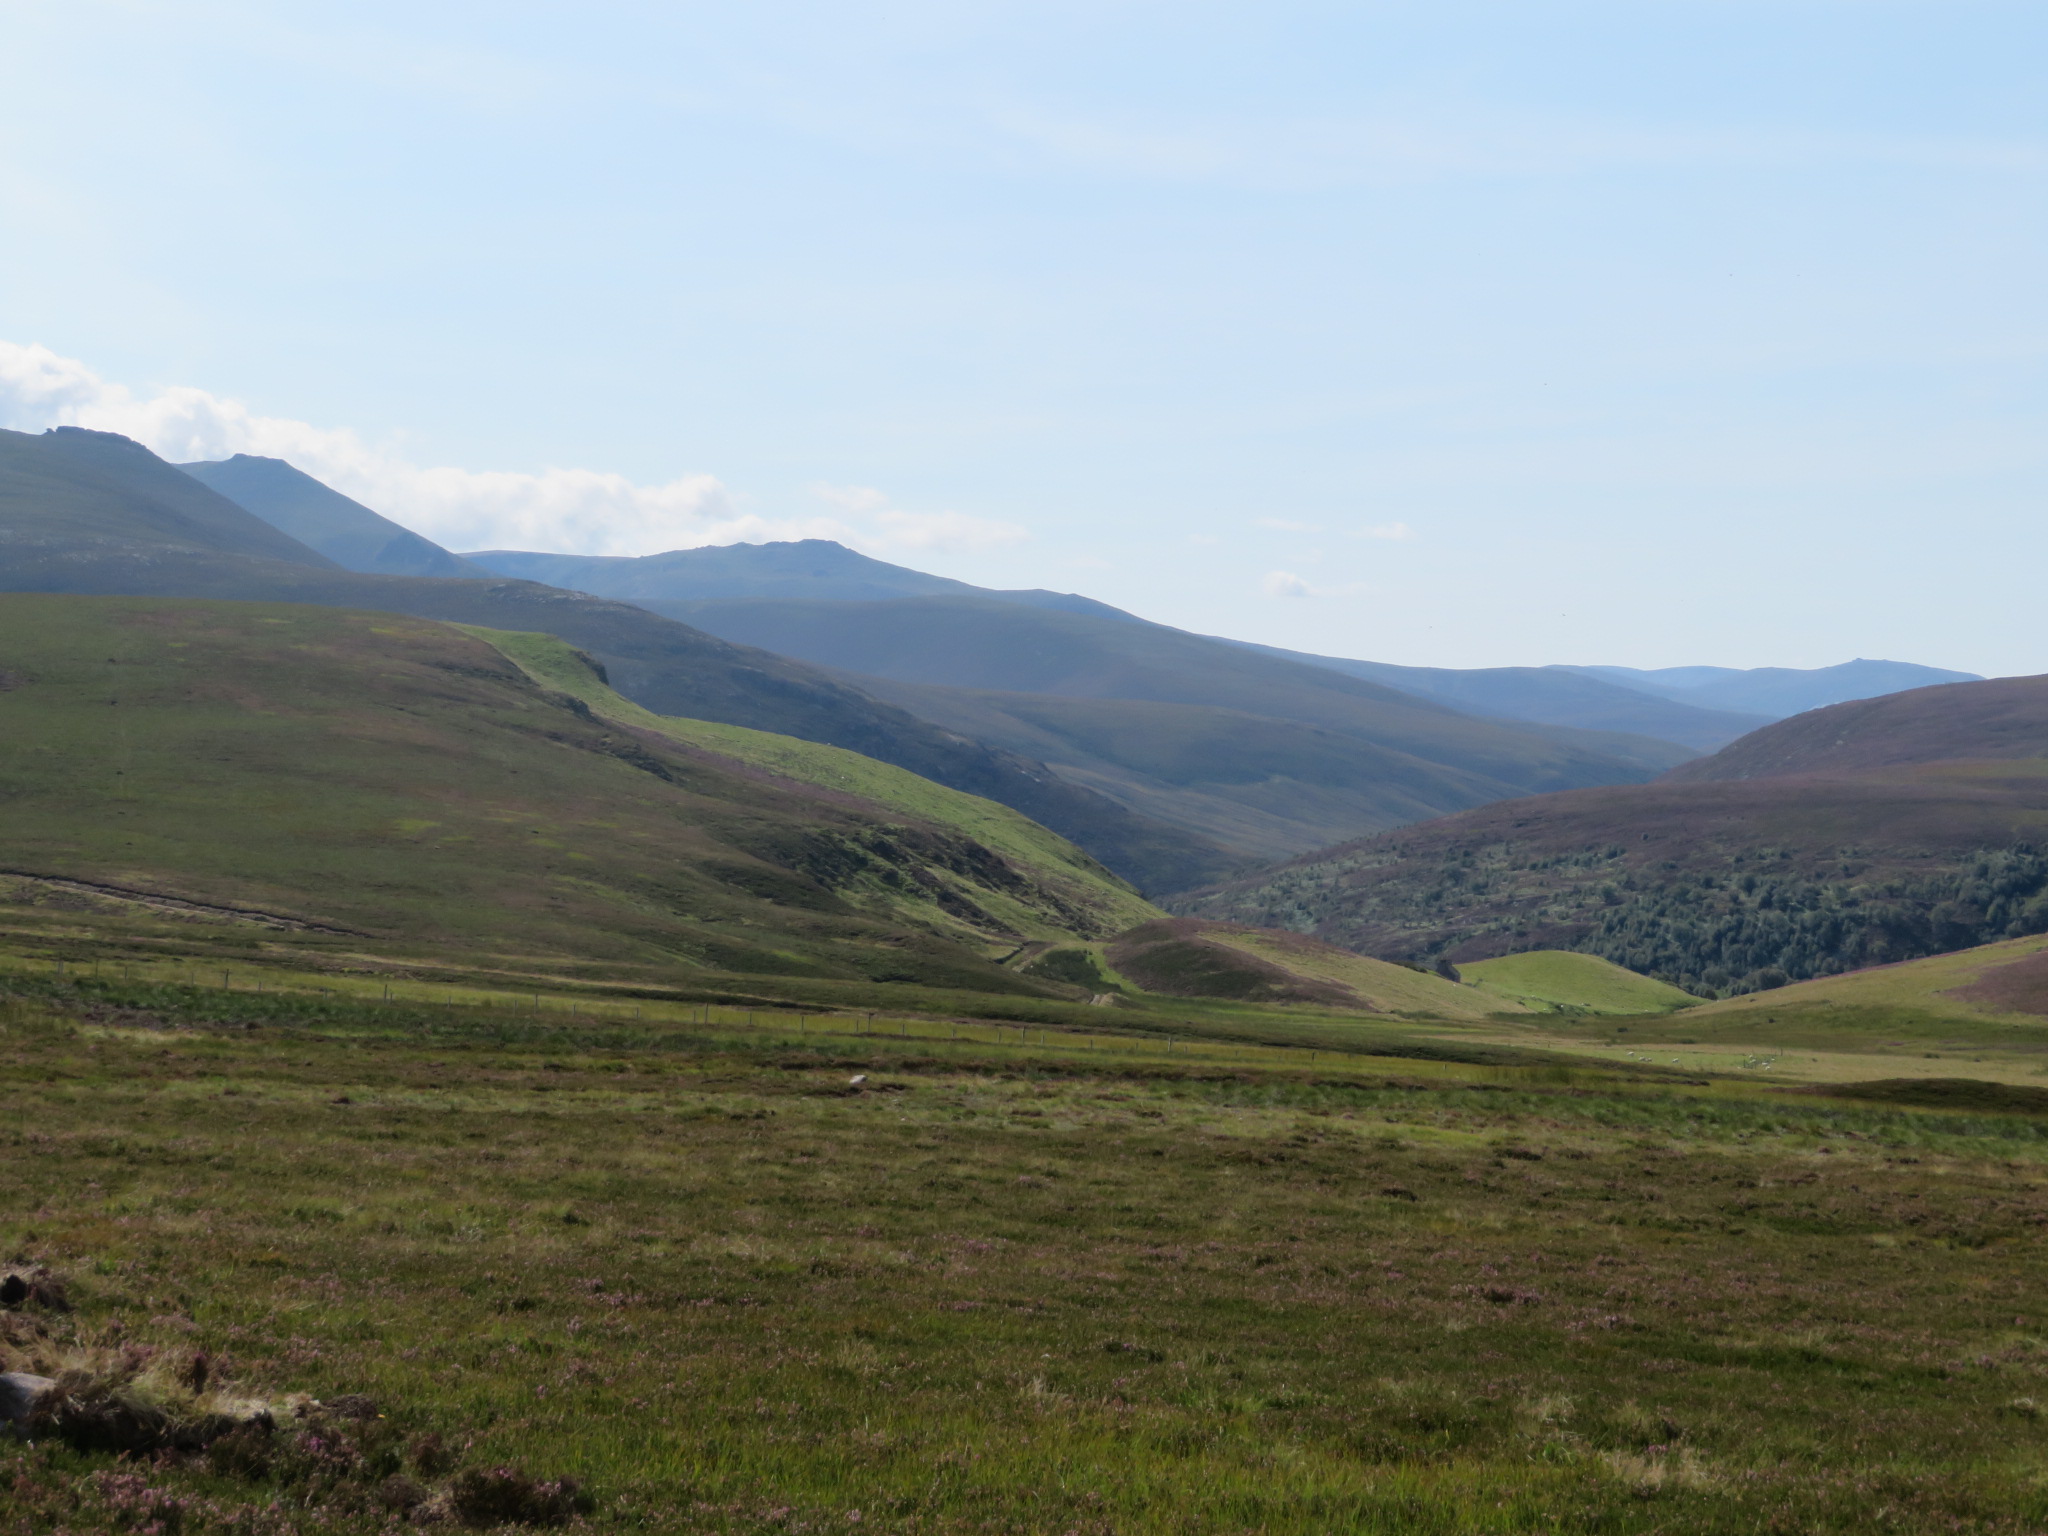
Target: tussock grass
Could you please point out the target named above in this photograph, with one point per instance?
(719, 1287)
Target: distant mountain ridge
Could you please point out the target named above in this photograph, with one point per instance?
(1776, 692)
(802, 568)
(1701, 708)
(1549, 696)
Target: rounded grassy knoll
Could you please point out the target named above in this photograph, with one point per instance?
(1559, 979)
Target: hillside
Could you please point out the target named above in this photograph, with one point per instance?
(1268, 789)
(1984, 721)
(90, 512)
(324, 772)
(344, 530)
(1100, 901)
(2006, 982)
(1718, 884)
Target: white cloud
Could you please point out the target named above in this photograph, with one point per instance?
(853, 498)
(894, 528)
(1386, 531)
(1287, 584)
(569, 511)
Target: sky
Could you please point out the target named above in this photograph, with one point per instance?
(1655, 332)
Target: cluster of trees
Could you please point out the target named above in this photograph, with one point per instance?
(1717, 935)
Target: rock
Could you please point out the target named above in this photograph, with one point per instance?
(19, 1393)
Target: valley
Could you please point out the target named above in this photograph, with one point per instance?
(480, 1053)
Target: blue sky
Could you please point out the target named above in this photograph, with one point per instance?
(1658, 332)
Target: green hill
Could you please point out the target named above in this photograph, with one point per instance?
(1104, 901)
(91, 512)
(343, 777)
(1560, 980)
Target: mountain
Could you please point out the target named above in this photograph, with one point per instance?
(802, 568)
(1823, 843)
(1259, 753)
(1548, 696)
(1775, 692)
(345, 531)
(364, 777)
(90, 512)
(1663, 704)
(70, 494)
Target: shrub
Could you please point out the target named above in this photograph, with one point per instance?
(507, 1496)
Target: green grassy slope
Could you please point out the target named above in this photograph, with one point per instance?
(402, 781)
(1049, 857)
(1558, 978)
(91, 512)
(2005, 982)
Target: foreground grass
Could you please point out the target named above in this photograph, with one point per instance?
(731, 1291)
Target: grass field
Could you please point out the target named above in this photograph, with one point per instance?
(1007, 1287)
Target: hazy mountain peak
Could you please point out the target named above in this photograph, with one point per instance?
(317, 515)
(819, 569)
(1776, 692)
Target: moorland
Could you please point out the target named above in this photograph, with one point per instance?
(483, 1054)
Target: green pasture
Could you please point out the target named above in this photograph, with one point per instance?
(1017, 1287)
